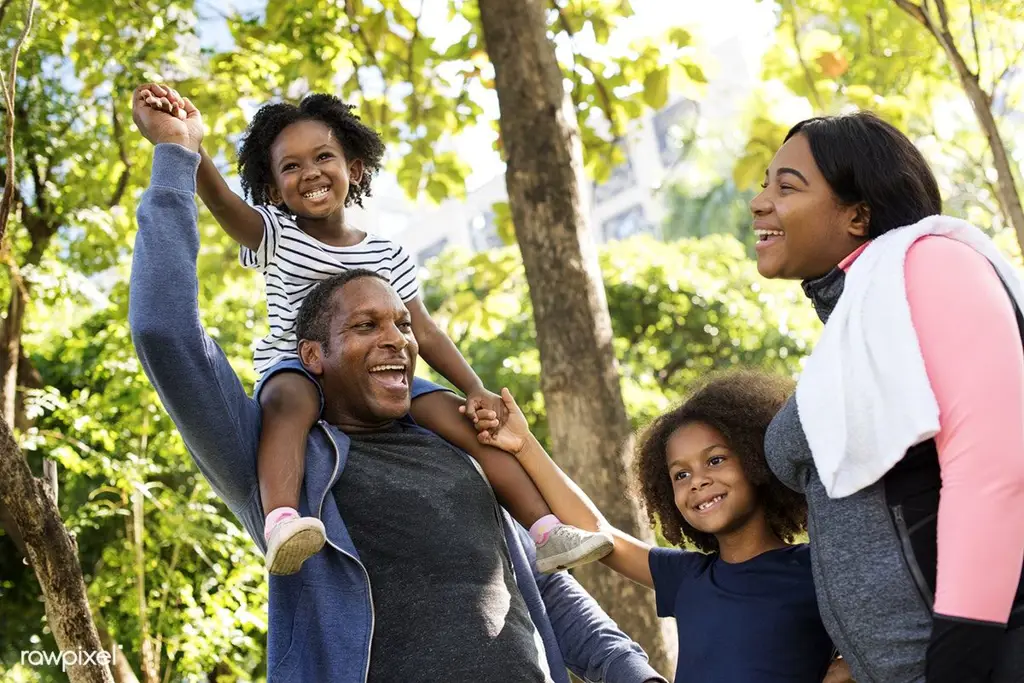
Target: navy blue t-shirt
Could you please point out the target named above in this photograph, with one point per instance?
(755, 621)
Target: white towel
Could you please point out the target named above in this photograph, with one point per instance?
(864, 397)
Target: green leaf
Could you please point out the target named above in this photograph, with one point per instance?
(503, 222)
(437, 190)
(694, 72)
(656, 88)
(680, 37)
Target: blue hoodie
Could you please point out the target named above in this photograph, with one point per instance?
(321, 619)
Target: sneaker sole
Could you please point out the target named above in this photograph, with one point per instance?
(296, 550)
(585, 553)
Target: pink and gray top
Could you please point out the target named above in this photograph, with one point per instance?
(941, 537)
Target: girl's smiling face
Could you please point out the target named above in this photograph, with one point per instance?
(711, 490)
(311, 173)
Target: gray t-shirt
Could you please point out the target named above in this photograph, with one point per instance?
(427, 529)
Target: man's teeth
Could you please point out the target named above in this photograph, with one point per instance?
(704, 506)
(765, 234)
(385, 368)
(316, 194)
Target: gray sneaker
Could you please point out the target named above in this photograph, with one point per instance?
(567, 547)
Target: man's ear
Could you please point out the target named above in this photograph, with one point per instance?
(274, 194)
(860, 224)
(311, 353)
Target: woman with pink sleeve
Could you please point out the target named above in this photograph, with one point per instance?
(906, 432)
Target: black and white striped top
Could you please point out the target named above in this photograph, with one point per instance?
(293, 263)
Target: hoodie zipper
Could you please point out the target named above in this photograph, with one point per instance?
(319, 513)
(909, 558)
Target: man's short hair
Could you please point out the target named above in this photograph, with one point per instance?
(314, 320)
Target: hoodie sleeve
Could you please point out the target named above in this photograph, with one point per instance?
(200, 391)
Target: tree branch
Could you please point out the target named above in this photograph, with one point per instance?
(794, 22)
(3, 10)
(575, 73)
(371, 54)
(974, 37)
(916, 12)
(8, 93)
(410, 72)
(602, 90)
(122, 181)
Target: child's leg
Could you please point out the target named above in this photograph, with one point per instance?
(290, 405)
(558, 546)
(439, 412)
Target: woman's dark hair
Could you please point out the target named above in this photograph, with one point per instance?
(740, 404)
(357, 140)
(864, 159)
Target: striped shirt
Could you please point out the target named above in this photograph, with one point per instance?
(293, 263)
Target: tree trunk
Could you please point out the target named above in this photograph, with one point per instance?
(119, 666)
(590, 432)
(150, 667)
(11, 349)
(53, 556)
(1008, 198)
(981, 102)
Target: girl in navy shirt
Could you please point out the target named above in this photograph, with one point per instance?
(745, 605)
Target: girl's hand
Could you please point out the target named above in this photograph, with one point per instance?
(164, 116)
(838, 672)
(513, 436)
(486, 410)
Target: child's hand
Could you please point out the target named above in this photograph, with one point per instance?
(164, 99)
(838, 672)
(164, 116)
(513, 436)
(484, 400)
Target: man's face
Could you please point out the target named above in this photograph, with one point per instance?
(367, 369)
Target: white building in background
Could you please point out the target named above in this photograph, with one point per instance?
(628, 203)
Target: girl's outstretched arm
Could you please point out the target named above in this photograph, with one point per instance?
(239, 220)
(568, 502)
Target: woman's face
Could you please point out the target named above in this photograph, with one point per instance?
(802, 231)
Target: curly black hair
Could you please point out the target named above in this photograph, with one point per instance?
(740, 404)
(357, 140)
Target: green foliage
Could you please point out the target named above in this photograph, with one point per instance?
(420, 91)
(678, 311)
(832, 56)
(722, 209)
(100, 419)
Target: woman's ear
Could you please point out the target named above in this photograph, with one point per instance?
(860, 224)
(311, 353)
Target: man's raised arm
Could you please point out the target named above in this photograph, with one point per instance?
(217, 420)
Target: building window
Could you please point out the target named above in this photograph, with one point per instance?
(622, 178)
(627, 223)
(433, 251)
(673, 128)
(483, 231)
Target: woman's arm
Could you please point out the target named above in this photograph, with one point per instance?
(239, 220)
(630, 556)
(972, 351)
